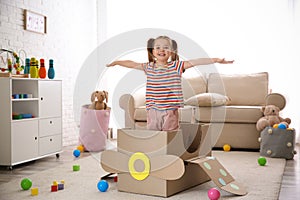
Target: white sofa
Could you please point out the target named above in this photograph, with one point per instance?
(231, 104)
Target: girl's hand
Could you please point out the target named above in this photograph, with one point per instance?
(223, 61)
(111, 64)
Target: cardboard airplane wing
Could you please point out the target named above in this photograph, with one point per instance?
(219, 175)
(167, 167)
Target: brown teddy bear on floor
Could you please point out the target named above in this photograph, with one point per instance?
(97, 99)
(271, 117)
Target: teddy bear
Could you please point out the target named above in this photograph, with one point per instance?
(97, 99)
(271, 117)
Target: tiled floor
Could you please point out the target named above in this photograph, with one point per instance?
(290, 188)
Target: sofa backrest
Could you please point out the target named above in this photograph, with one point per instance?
(242, 89)
(194, 85)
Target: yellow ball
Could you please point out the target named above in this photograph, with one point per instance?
(80, 148)
(226, 147)
(275, 126)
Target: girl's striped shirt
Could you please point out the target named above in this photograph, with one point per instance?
(163, 89)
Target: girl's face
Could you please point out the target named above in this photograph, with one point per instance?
(162, 50)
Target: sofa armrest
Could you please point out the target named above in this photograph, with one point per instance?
(126, 102)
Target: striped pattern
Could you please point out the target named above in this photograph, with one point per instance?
(163, 90)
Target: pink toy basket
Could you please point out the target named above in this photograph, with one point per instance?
(93, 128)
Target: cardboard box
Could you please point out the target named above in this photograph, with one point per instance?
(163, 143)
(162, 163)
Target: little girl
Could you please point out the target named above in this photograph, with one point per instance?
(163, 89)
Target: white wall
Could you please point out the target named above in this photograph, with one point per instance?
(71, 36)
(260, 35)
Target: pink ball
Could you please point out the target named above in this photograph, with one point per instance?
(213, 194)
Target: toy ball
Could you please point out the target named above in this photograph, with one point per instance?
(80, 148)
(26, 184)
(213, 194)
(102, 185)
(76, 153)
(275, 126)
(262, 161)
(226, 147)
(282, 126)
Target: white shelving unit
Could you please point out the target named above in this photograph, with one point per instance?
(26, 139)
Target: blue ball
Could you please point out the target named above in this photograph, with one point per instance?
(282, 126)
(76, 153)
(102, 185)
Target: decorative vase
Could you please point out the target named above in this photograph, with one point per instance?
(51, 72)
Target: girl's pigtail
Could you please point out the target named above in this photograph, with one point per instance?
(175, 56)
(150, 47)
(174, 51)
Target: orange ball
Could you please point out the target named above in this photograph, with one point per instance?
(275, 126)
(226, 147)
(80, 148)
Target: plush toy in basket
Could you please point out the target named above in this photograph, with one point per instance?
(271, 117)
(277, 140)
(97, 99)
(94, 122)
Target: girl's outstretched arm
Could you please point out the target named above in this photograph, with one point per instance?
(126, 63)
(205, 61)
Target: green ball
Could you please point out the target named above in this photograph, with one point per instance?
(262, 161)
(26, 184)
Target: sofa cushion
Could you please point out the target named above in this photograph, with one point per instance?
(207, 99)
(140, 114)
(242, 89)
(230, 114)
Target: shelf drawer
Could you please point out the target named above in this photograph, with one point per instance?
(50, 144)
(50, 126)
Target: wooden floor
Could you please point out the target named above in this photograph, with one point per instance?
(290, 188)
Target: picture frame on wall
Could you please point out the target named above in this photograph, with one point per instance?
(35, 22)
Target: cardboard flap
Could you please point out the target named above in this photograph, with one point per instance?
(167, 167)
(114, 162)
(235, 188)
(219, 175)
